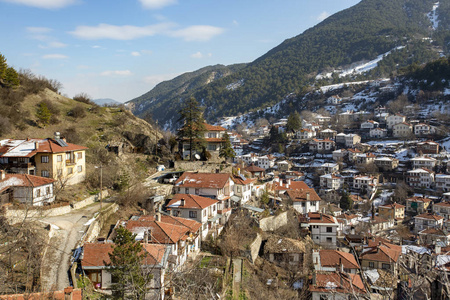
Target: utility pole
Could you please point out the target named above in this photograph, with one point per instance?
(101, 185)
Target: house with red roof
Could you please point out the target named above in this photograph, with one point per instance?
(323, 228)
(52, 158)
(442, 209)
(336, 285)
(381, 254)
(219, 186)
(417, 205)
(243, 187)
(95, 260)
(328, 260)
(255, 171)
(304, 200)
(428, 147)
(198, 208)
(427, 220)
(213, 137)
(27, 189)
(321, 146)
(393, 211)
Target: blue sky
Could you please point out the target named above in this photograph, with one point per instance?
(121, 49)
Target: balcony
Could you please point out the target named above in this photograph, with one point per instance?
(70, 162)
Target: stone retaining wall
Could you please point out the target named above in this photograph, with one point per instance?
(96, 226)
(18, 215)
(272, 223)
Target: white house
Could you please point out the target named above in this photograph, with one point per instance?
(340, 154)
(378, 133)
(335, 99)
(266, 162)
(331, 181)
(198, 208)
(329, 168)
(442, 209)
(364, 182)
(305, 133)
(214, 140)
(392, 120)
(249, 158)
(27, 189)
(422, 129)
(348, 140)
(442, 182)
(426, 221)
(243, 188)
(327, 260)
(304, 200)
(423, 162)
(365, 158)
(402, 130)
(370, 124)
(326, 145)
(323, 229)
(337, 286)
(420, 177)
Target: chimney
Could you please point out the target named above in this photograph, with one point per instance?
(158, 217)
(68, 293)
(352, 230)
(147, 233)
(171, 212)
(239, 171)
(57, 135)
(182, 202)
(2, 174)
(437, 249)
(307, 196)
(36, 145)
(289, 181)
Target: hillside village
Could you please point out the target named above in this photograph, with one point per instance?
(359, 207)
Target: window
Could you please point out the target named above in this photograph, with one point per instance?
(68, 156)
(238, 189)
(59, 158)
(44, 159)
(329, 229)
(186, 190)
(38, 193)
(385, 266)
(329, 240)
(371, 264)
(197, 191)
(45, 173)
(212, 135)
(192, 214)
(214, 208)
(80, 155)
(69, 170)
(204, 213)
(80, 169)
(212, 147)
(47, 190)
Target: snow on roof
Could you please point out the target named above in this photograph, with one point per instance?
(12, 181)
(372, 275)
(417, 249)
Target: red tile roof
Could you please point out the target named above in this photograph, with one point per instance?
(302, 195)
(333, 258)
(338, 283)
(419, 199)
(294, 185)
(315, 217)
(203, 180)
(191, 201)
(381, 253)
(240, 181)
(429, 216)
(24, 180)
(209, 127)
(97, 254)
(392, 206)
(192, 225)
(252, 168)
(27, 148)
(160, 232)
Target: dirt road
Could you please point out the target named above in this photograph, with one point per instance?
(56, 261)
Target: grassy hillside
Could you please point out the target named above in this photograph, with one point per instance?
(360, 33)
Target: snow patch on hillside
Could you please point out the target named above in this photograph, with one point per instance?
(359, 68)
(235, 85)
(433, 16)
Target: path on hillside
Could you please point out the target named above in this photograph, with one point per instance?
(56, 261)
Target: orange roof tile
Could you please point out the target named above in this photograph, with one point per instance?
(333, 258)
(25, 180)
(302, 195)
(381, 253)
(338, 283)
(203, 180)
(191, 201)
(429, 216)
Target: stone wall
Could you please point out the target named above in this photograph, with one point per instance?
(96, 226)
(253, 249)
(202, 166)
(272, 223)
(18, 215)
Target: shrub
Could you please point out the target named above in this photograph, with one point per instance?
(77, 112)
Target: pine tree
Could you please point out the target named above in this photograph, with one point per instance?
(3, 67)
(193, 129)
(226, 151)
(11, 77)
(126, 267)
(294, 122)
(43, 113)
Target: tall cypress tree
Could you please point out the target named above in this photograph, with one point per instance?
(226, 151)
(193, 129)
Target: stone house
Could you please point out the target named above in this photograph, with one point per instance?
(426, 221)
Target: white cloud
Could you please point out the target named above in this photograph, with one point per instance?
(197, 32)
(200, 55)
(323, 16)
(53, 45)
(135, 53)
(156, 4)
(235, 23)
(117, 73)
(38, 30)
(96, 47)
(126, 32)
(48, 4)
(54, 56)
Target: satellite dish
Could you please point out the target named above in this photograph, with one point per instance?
(197, 156)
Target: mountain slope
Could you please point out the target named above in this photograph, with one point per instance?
(360, 33)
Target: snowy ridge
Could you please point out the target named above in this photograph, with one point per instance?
(360, 68)
(233, 86)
